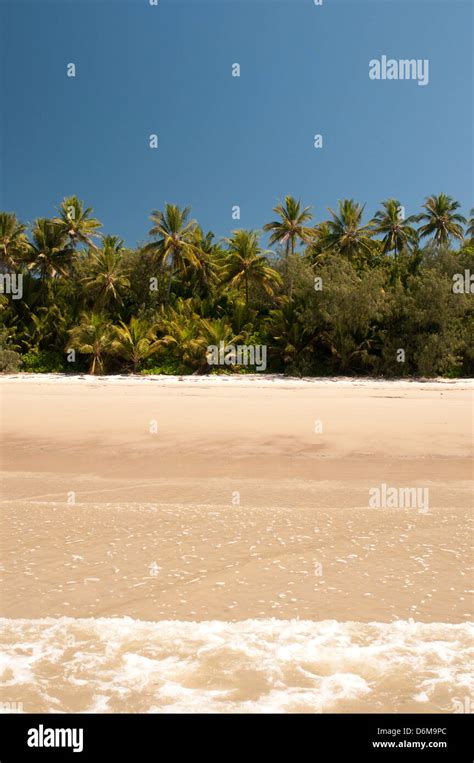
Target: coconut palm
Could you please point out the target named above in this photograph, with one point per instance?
(291, 227)
(94, 337)
(209, 256)
(290, 334)
(219, 330)
(398, 233)
(46, 329)
(108, 279)
(470, 225)
(174, 246)
(345, 232)
(182, 335)
(76, 222)
(246, 264)
(13, 241)
(48, 254)
(442, 222)
(242, 318)
(134, 343)
(317, 247)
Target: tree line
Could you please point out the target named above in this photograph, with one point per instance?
(340, 296)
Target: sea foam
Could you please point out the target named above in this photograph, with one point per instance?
(262, 665)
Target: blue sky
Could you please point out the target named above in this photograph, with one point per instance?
(227, 141)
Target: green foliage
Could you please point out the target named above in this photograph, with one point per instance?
(10, 360)
(346, 296)
(168, 367)
(93, 337)
(441, 219)
(13, 241)
(246, 265)
(134, 343)
(45, 362)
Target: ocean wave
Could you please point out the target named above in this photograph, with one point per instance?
(262, 665)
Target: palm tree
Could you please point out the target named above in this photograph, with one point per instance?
(317, 245)
(242, 318)
(290, 334)
(209, 255)
(76, 222)
(47, 328)
(246, 265)
(108, 278)
(219, 330)
(182, 335)
(13, 241)
(48, 254)
(291, 227)
(398, 233)
(94, 337)
(346, 234)
(441, 219)
(175, 244)
(134, 343)
(470, 225)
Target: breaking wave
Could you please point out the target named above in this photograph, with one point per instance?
(263, 665)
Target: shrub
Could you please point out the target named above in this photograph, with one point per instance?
(45, 362)
(10, 361)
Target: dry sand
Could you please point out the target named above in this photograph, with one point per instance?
(216, 500)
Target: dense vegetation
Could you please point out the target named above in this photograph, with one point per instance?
(341, 296)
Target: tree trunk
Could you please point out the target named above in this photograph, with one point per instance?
(290, 289)
(168, 287)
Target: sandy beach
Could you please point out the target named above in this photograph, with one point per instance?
(133, 508)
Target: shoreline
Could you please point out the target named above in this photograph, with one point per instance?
(243, 380)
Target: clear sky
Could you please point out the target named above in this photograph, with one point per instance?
(223, 140)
